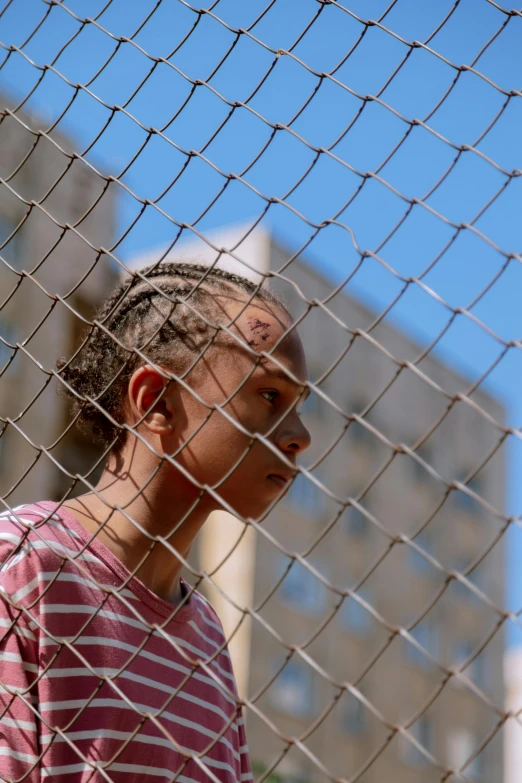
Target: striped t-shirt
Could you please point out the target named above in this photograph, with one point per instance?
(100, 679)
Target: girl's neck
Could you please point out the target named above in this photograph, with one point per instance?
(128, 513)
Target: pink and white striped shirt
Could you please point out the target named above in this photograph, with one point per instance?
(101, 680)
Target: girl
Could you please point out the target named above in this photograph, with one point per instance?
(111, 667)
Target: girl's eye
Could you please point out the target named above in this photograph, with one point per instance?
(271, 396)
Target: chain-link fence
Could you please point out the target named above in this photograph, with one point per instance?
(351, 170)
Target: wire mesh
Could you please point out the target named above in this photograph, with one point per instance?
(364, 608)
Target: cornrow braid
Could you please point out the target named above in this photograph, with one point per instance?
(172, 319)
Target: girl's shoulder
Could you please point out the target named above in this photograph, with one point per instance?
(34, 532)
(39, 555)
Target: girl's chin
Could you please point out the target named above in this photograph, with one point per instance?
(250, 508)
(251, 499)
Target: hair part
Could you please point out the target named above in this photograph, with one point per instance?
(171, 320)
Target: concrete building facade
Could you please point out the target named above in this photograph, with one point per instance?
(355, 684)
(513, 704)
(48, 202)
(343, 632)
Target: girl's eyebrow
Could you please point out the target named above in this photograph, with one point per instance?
(281, 375)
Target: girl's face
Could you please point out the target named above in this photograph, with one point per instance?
(262, 401)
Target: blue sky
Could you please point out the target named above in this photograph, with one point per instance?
(189, 115)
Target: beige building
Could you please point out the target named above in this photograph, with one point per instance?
(513, 702)
(300, 723)
(42, 191)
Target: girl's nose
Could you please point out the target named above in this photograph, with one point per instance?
(294, 437)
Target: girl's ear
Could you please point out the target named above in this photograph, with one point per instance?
(150, 400)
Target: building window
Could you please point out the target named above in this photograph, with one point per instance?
(11, 251)
(422, 732)
(420, 473)
(462, 500)
(477, 577)
(354, 617)
(355, 523)
(418, 562)
(361, 435)
(475, 671)
(461, 744)
(300, 589)
(305, 497)
(427, 635)
(292, 692)
(354, 717)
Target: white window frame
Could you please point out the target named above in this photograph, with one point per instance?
(423, 732)
(460, 745)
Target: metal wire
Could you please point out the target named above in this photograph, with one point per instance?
(314, 758)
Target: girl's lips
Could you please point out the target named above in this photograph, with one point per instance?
(279, 480)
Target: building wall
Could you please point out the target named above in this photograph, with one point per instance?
(403, 585)
(513, 703)
(412, 399)
(44, 191)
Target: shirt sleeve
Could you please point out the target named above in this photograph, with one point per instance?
(19, 744)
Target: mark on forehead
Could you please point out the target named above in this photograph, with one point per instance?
(261, 329)
(256, 323)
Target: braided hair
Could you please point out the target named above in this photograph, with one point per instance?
(171, 320)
